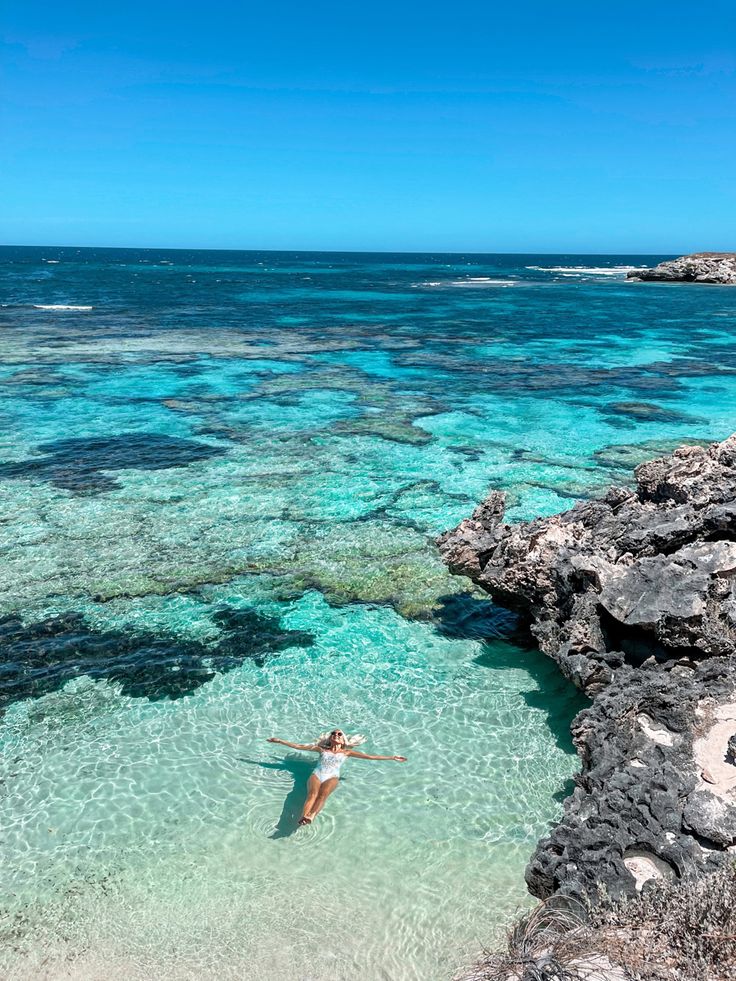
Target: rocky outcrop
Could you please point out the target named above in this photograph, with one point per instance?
(634, 596)
(700, 267)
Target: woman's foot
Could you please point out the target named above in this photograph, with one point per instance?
(305, 819)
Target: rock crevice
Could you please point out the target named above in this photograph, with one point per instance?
(634, 597)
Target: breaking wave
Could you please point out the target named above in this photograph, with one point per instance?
(586, 270)
(471, 282)
(61, 306)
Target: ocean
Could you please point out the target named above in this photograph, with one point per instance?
(222, 474)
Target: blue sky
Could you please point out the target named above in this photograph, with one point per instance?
(522, 126)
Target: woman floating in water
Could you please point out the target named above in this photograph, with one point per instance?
(333, 748)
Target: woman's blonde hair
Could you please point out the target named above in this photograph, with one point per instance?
(352, 741)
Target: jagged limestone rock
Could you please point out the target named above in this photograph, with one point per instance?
(634, 596)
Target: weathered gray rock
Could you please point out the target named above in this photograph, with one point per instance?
(700, 267)
(634, 596)
(711, 817)
(673, 596)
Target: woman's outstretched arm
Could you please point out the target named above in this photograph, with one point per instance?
(369, 756)
(283, 742)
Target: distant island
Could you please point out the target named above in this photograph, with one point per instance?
(700, 267)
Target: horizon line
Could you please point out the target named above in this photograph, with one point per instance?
(313, 251)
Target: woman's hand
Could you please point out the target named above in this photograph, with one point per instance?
(273, 739)
(399, 759)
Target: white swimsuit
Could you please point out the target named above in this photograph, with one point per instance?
(329, 765)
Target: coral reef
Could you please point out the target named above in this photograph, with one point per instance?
(42, 657)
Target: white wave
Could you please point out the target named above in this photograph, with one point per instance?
(480, 281)
(52, 262)
(60, 306)
(587, 270)
(475, 282)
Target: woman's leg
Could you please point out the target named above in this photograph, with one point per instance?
(313, 788)
(324, 792)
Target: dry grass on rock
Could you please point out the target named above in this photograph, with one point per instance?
(679, 931)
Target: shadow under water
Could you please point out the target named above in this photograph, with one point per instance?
(299, 768)
(466, 616)
(554, 695)
(507, 644)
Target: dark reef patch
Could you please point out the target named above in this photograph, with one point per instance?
(39, 658)
(80, 465)
(396, 429)
(33, 377)
(256, 635)
(469, 452)
(722, 364)
(647, 412)
(189, 370)
(530, 376)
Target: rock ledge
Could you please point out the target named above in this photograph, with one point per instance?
(634, 597)
(700, 267)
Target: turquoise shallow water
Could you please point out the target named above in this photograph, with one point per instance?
(221, 477)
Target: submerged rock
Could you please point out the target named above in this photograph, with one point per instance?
(634, 596)
(646, 412)
(700, 267)
(82, 465)
(41, 657)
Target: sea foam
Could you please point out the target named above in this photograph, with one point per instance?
(60, 306)
(586, 270)
(472, 282)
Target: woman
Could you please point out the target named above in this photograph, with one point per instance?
(334, 748)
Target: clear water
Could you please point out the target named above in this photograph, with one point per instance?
(221, 479)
